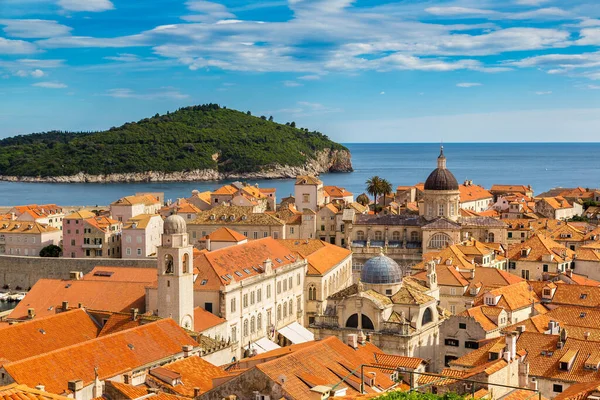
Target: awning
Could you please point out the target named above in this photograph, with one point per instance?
(296, 333)
(262, 345)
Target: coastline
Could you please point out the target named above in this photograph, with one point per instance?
(326, 161)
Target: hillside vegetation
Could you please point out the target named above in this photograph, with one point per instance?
(192, 138)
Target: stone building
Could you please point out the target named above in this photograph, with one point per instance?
(399, 313)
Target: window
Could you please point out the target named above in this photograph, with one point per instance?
(291, 307)
(299, 305)
(441, 210)
(127, 251)
(255, 235)
(378, 235)
(462, 325)
(471, 345)
(414, 236)
(427, 317)
(312, 292)
(284, 311)
(279, 312)
(452, 291)
(439, 241)
(268, 291)
(452, 209)
(72, 242)
(258, 295)
(510, 235)
(245, 327)
(453, 308)
(245, 300)
(259, 322)
(306, 198)
(252, 298)
(279, 287)
(265, 234)
(232, 305)
(208, 307)
(556, 388)
(290, 282)
(298, 279)
(525, 274)
(233, 334)
(291, 230)
(139, 252)
(128, 240)
(252, 325)
(284, 285)
(268, 317)
(545, 268)
(322, 227)
(360, 235)
(451, 342)
(512, 265)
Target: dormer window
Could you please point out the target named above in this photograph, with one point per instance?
(583, 296)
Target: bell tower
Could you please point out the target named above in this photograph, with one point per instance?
(176, 274)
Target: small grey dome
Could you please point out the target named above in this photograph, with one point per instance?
(381, 270)
(174, 224)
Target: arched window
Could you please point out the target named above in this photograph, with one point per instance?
(233, 334)
(396, 236)
(186, 263)
(414, 236)
(169, 264)
(352, 322)
(378, 235)
(279, 312)
(284, 311)
(245, 327)
(259, 322)
(312, 292)
(427, 317)
(360, 235)
(291, 307)
(252, 325)
(439, 241)
(490, 237)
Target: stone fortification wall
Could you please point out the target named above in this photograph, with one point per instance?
(25, 271)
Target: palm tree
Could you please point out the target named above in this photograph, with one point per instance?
(363, 199)
(374, 187)
(385, 190)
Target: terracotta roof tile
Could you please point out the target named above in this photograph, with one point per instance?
(111, 354)
(121, 274)
(45, 334)
(24, 392)
(577, 295)
(204, 320)
(234, 215)
(308, 180)
(135, 392)
(389, 360)
(538, 246)
(321, 256)
(473, 193)
(48, 294)
(225, 234)
(195, 373)
(27, 227)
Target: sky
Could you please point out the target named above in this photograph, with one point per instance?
(358, 71)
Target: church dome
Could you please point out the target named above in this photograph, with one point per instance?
(174, 224)
(381, 270)
(441, 178)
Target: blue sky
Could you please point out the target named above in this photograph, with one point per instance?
(359, 71)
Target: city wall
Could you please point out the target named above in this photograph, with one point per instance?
(25, 271)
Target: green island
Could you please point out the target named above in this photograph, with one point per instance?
(197, 138)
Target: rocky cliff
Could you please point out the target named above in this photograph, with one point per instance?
(326, 160)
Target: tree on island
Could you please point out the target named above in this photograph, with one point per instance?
(374, 188)
(363, 199)
(50, 251)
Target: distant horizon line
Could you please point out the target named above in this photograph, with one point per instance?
(445, 143)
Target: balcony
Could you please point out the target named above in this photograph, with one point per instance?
(92, 246)
(326, 321)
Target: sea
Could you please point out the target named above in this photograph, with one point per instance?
(541, 165)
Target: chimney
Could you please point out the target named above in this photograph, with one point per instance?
(134, 314)
(511, 346)
(197, 392)
(80, 305)
(65, 306)
(520, 329)
(41, 387)
(187, 350)
(30, 313)
(586, 335)
(361, 337)
(473, 274)
(352, 340)
(268, 265)
(75, 386)
(75, 275)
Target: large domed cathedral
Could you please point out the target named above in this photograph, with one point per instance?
(441, 196)
(398, 313)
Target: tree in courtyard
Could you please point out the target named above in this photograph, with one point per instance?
(374, 187)
(363, 199)
(50, 251)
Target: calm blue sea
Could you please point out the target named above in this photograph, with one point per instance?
(543, 165)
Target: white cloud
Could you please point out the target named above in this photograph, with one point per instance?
(163, 93)
(543, 93)
(50, 85)
(468, 84)
(381, 92)
(123, 57)
(310, 77)
(88, 41)
(86, 5)
(8, 46)
(209, 12)
(291, 84)
(33, 63)
(589, 36)
(531, 2)
(33, 28)
(466, 12)
(594, 87)
(36, 73)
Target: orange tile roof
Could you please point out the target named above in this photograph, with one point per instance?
(538, 246)
(146, 199)
(25, 227)
(253, 191)
(188, 208)
(112, 355)
(119, 322)
(83, 214)
(336, 191)
(477, 313)
(24, 392)
(135, 392)
(140, 221)
(473, 193)
(225, 234)
(330, 359)
(521, 394)
(510, 188)
(447, 275)
(102, 223)
(308, 180)
(48, 294)
(512, 297)
(226, 189)
(320, 255)
(394, 361)
(480, 356)
(451, 255)
(121, 274)
(556, 203)
(41, 335)
(236, 263)
(268, 190)
(194, 373)
(579, 391)
(577, 295)
(204, 320)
